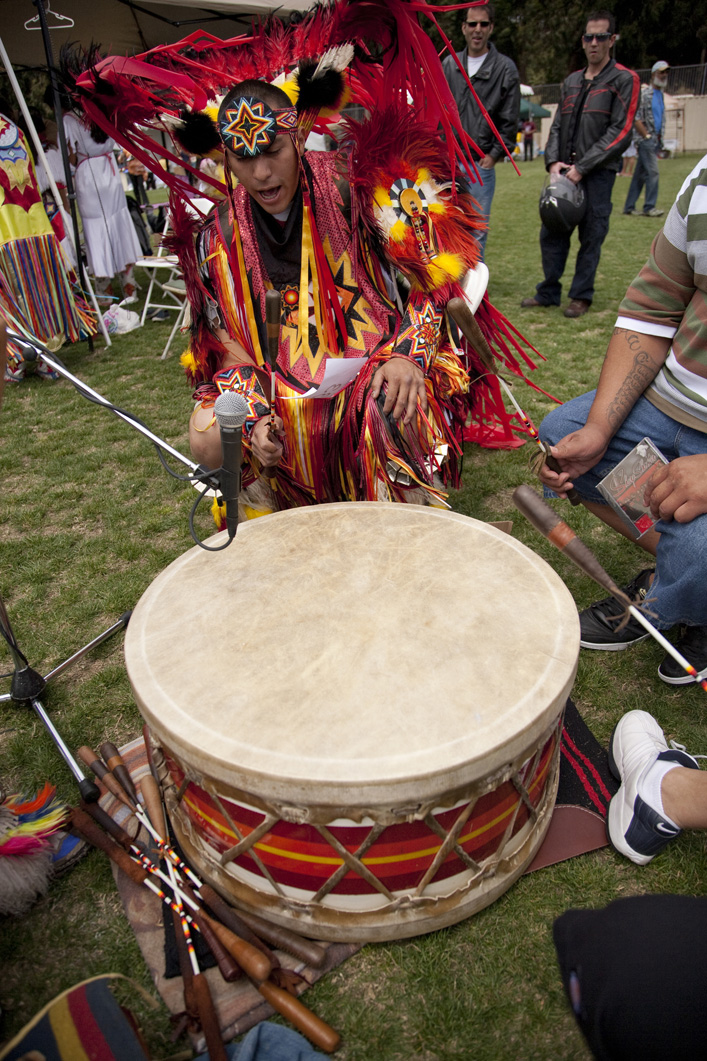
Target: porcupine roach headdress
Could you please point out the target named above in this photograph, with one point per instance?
(403, 191)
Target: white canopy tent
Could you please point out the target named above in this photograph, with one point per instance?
(120, 27)
(126, 27)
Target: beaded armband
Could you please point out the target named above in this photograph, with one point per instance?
(419, 334)
(244, 380)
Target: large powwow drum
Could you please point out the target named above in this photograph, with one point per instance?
(360, 707)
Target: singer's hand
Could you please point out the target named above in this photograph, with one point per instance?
(679, 490)
(267, 451)
(406, 385)
(576, 453)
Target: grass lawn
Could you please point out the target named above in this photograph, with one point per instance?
(88, 519)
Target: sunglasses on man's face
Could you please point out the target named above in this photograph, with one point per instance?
(599, 37)
(473, 24)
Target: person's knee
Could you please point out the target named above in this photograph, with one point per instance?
(569, 416)
(613, 965)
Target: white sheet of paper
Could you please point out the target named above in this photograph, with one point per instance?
(338, 373)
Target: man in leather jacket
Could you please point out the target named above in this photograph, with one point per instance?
(591, 129)
(497, 84)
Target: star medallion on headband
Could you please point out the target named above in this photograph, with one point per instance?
(248, 126)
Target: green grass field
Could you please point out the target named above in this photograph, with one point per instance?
(88, 519)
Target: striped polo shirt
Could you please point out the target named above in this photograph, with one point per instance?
(669, 298)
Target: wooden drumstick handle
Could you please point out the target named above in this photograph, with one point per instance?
(317, 1031)
(114, 762)
(229, 968)
(273, 311)
(91, 832)
(228, 965)
(228, 917)
(460, 312)
(108, 824)
(252, 961)
(94, 762)
(282, 938)
(208, 1018)
(554, 465)
(185, 968)
(545, 520)
(152, 802)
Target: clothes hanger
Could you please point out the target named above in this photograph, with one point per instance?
(60, 21)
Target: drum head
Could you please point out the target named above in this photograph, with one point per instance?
(387, 651)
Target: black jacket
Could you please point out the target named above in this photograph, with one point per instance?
(497, 84)
(603, 129)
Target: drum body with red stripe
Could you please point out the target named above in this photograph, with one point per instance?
(360, 708)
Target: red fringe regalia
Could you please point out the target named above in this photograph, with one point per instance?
(395, 171)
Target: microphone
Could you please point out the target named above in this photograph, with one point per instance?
(231, 411)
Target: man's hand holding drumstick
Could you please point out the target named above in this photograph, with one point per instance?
(265, 439)
(265, 445)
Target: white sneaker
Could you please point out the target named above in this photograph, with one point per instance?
(14, 374)
(635, 829)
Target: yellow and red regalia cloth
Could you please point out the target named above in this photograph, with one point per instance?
(341, 448)
(35, 291)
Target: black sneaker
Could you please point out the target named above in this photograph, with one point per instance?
(598, 622)
(693, 645)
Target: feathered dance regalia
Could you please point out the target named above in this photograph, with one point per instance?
(411, 215)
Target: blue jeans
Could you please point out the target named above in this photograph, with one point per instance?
(677, 594)
(645, 173)
(270, 1042)
(592, 231)
(483, 193)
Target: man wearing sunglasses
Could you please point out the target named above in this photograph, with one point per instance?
(496, 83)
(591, 129)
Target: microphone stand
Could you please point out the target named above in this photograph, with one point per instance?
(27, 684)
(33, 347)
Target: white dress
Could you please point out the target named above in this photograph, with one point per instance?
(111, 241)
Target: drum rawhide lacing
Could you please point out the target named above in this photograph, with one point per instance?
(537, 773)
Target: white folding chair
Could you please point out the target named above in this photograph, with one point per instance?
(162, 269)
(176, 288)
(170, 284)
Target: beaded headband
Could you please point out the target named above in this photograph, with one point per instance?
(248, 126)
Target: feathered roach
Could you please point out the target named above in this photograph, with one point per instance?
(196, 133)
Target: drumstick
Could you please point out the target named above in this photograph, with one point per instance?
(113, 785)
(563, 537)
(282, 938)
(186, 970)
(251, 961)
(273, 307)
(317, 1031)
(228, 917)
(460, 312)
(248, 926)
(94, 762)
(114, 761)
(255, 964)
(229, 967)
(198, 986)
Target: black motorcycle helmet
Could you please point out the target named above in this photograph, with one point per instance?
(562, 204)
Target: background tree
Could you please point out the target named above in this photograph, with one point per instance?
(543, 37)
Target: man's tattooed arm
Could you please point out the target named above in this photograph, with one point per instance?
(641, 372)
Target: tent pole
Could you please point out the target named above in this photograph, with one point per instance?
(73, 236)
(70, 190)
(52, 183)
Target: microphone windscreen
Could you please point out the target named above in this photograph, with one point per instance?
(231, 410)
